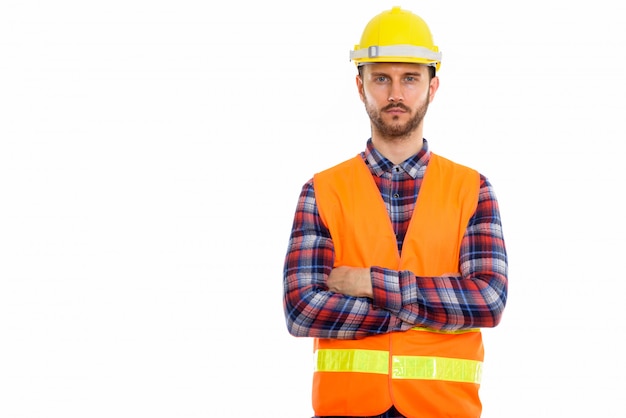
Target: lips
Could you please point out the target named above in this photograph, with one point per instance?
(396, 108)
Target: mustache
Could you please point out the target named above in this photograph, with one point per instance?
(396, 106)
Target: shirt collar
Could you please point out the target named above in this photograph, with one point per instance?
(379, 164)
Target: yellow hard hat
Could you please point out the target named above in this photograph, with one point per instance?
(396, 35)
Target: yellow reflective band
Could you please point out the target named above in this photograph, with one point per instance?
(437, 368)
(403, 367)
(459, 331)
(360, 361)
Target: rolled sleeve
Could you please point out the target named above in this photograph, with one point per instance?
(386, 289)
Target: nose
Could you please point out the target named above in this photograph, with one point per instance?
(395, 93)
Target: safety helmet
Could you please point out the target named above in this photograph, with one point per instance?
(396, 35)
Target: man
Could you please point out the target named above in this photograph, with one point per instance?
(396, 258)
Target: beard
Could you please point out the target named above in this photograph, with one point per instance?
(396, 129)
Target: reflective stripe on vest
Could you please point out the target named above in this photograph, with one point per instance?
(360, 361)
(403, 367)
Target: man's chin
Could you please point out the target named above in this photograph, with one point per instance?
(397, 129)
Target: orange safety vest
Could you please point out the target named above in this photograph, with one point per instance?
(424, 373)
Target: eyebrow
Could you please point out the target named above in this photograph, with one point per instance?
(379, 73)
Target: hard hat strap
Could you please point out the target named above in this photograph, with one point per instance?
(397, 51)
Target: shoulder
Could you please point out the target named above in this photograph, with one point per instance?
(452, 169)
(339, 170)
(446, 162)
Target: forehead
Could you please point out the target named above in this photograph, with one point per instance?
(394, 68)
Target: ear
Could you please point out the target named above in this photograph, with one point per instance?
(434, 86)
(359, 86)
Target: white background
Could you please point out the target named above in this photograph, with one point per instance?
(151, 154)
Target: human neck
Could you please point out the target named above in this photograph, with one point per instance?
(397, 150)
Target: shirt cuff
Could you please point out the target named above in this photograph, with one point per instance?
(386, 289)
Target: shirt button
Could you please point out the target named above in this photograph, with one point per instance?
(396, 195)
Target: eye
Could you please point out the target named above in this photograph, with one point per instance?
(380, 79)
